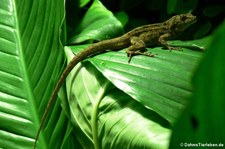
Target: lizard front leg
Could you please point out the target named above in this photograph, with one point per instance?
(137, 44)
(162, 41)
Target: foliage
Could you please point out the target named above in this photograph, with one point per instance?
(204, 117)
(30, 49)
(105, 102)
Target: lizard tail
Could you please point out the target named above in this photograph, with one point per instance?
(54, 94)
(70, 66)
(89, 51)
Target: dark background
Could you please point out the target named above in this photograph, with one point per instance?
(210, 13)
(133, 13)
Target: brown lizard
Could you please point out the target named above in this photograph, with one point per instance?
(136, 40)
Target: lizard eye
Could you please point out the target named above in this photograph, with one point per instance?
(183, 18)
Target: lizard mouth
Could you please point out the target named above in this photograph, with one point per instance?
(194, 19)
(190, 19)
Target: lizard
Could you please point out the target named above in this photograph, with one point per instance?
(135, 41)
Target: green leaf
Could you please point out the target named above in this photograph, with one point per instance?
(161, 83)
(102, 25)
(198, 44)
(122, 17)
(158, 86)
(82, 3)
(105, 116)
(203, 121)
(31, 59)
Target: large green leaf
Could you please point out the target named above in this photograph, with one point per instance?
(103, 112)
(161, 83)
(122, 105)
(31, 59)
(106, 117)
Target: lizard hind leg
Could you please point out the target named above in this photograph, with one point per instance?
(137, 44)
(162, 41)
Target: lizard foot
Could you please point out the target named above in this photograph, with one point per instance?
(174, 48)
(130, 55)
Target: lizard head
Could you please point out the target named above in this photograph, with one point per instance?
(179, 23)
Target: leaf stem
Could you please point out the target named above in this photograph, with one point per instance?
(94, 116)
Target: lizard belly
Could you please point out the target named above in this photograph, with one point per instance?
(151, 38)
